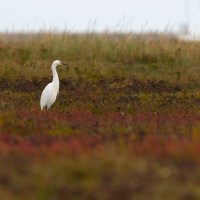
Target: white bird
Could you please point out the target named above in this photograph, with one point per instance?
(50, 92)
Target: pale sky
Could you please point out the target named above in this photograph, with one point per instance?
(98, 15)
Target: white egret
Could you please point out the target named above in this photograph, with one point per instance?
(50, 92)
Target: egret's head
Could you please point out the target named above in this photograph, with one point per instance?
(57, 62)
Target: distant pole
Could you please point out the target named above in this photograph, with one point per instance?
(186, 26)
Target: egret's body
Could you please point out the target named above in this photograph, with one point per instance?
(50, 92)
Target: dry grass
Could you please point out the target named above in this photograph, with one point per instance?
(92, 55)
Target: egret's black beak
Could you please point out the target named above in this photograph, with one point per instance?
(64, 64)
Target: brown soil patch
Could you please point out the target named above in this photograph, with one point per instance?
(116, 84)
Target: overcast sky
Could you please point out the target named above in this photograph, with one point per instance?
(98, 15)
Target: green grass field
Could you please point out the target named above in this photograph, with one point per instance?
(125, 125)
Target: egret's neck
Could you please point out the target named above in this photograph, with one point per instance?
(55, 78)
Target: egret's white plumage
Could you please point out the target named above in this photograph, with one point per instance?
(50, 92)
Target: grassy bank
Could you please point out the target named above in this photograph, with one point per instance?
(125, 124)
(92, 56)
